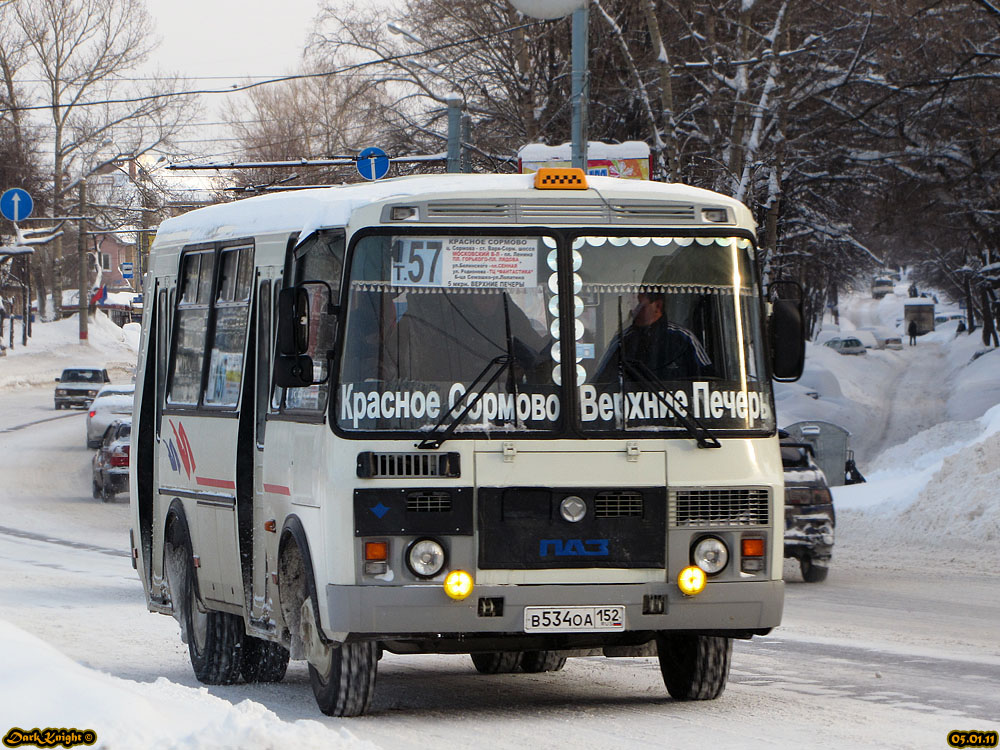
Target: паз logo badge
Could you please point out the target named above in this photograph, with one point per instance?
(49, 737)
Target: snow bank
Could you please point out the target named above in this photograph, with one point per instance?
(56, 345)
(42, 688)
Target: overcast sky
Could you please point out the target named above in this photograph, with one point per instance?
(231, 37)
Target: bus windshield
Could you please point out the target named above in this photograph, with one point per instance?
(429, 318)
(668, 324)
(665, 330)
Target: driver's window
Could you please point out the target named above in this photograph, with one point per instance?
(317, 265)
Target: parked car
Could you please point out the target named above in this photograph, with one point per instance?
(809, 514)
(111, 403)
(79, 385)
(848, 345)
(111, 460)
(893, 342)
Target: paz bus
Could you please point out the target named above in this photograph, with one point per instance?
(520, 417)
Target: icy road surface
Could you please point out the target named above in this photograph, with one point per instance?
(895, 649)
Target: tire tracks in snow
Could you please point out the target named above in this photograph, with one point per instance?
(20, 534)
(918, 398)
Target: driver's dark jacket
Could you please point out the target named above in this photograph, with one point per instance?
(668, 350)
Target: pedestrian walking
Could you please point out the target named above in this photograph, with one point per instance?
(912, 330)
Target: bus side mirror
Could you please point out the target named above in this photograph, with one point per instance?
(293, 321)
(293, 371)
(788, 344)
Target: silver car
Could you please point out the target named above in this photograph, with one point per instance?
(848, 345)
(112, 402)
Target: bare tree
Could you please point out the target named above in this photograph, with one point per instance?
(312, 118)
(81, 50)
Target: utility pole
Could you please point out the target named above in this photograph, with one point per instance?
(454, 133)
(81, 250)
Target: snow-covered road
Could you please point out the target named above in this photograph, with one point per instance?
(897, 648)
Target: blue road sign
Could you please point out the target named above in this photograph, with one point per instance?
(373, 163)
(16, 204)
(126, 269)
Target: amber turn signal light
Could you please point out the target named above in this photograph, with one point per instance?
(752, 547)
(376, 551)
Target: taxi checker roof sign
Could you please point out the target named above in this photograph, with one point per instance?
(373, 163)
(16, 204)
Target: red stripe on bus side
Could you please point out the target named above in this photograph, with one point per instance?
(277, 489)
(223, 483)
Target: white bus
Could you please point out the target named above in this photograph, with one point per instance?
(521, 417)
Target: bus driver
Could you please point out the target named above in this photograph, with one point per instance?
(668, 350)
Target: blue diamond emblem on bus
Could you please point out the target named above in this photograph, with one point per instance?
(379, 510)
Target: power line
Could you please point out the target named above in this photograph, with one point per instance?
(296, 77)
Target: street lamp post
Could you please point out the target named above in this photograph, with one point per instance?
(551, 9)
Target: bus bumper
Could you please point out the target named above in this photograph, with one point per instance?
(425, 609)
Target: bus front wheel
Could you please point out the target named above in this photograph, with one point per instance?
(345, 683)
(215, 639)
(694, 667)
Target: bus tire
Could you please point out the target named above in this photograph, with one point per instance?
(542, 661)
(346, 684)
(694, 667)
(812, 573)
(497, 662)
(263, 661)
(215, 639)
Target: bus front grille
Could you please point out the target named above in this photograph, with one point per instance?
(732, 506)
(372, 465)
(618, 504)
(428, 502)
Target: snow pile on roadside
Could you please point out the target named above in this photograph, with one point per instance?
(56, 345)
(936, 491)
(54, 691)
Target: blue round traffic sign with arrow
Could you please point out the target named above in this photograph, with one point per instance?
(16, 204)
(373, 163)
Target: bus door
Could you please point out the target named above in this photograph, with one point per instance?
(147, 433)
(203, 408)
(261, 555)
(294, 438)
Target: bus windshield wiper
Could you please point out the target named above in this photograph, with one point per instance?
(640, 372)
(501, 363)
(504, 362)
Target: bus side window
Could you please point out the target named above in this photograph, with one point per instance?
(191, 327)
(232, 304)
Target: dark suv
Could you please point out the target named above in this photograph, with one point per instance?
(809, 516)
(78, 386)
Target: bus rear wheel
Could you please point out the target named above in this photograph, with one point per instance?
(694, 667)
(345, 684)
(263, 661)
(215, 639)
(542, 661)
(497, 662)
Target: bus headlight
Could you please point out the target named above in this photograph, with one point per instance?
(425, 558)
(710, 554)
